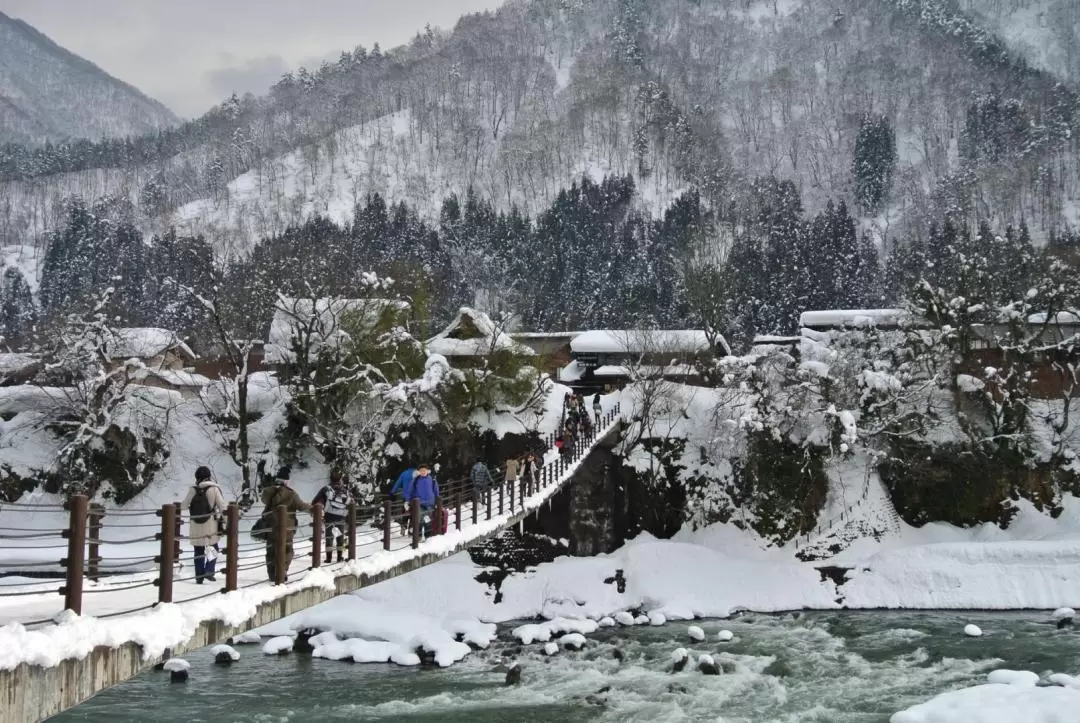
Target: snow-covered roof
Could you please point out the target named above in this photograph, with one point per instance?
(146, 343)
(841, 318)
(572, 372)
(642, 341)
(769, 339)
(14, 363)
(473, 333)
(1062, 317)
(179, 378)
(291, 316)
(530, 335)
(618, 370)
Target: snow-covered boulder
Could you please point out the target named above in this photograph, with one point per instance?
(1064, 613)
(972, 631)
(641, 620)
(679, 657)
(696, 634)
(624, 618)
(177, 669)
(1012, 677)
(572, 641)
(551, 648)
(532, 633)
(606, 622)
(279, 646)
(248, 638)
(224, 654)
(725, 636)
(656, 619)
(1065, 681)
(707, 665)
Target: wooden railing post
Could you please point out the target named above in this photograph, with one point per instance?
(414, 508)
(488, 495)
(438, 516)
(76, 557)
(351, 523)
(281, 543)
(511, 484)
(502, 497)
(457, 512)
(388, 522)
(232, 546)
(317, 535)
(93, 555)
(167, 557)
(177, 533)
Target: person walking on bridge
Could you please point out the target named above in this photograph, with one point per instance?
(597, 409)
(424, 489)
(205, 505)
(274, 496)
(335, 499)
(401, 485)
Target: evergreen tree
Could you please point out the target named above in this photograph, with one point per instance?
(18, 314)
(874, 161)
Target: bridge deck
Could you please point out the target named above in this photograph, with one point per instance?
(55, 666)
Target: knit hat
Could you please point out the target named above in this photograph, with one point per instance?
(202, 474)
(284, 474)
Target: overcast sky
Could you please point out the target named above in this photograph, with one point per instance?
(191, 54)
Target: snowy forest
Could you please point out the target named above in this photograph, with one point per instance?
(561, 165)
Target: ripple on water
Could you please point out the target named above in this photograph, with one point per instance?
(820, 668)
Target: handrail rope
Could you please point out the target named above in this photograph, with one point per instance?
(37, 536)
(111, 525)
(151, 606)
(44, 621)
(111, 558)
(114, 564)
(215, 591)
(12, 565)
(34, 547)
(133, 512)
(149, 538)
(32, 506)
(32, 529)
(33, 581)
(26, 593)
(118, 589)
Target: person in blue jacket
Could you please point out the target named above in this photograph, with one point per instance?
(425, 489)
(400, 488)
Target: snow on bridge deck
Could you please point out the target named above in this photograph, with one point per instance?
(48, 666)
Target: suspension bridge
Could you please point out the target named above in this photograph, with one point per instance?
(128, 600)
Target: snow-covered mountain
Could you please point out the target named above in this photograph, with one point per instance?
(49, 93)
(709, 94)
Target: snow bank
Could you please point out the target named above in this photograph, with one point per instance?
(992, 575)
(997, 703)
(364, 623)
(1012, 677)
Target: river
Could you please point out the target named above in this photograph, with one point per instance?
(835, 667)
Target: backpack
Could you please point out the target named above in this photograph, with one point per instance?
(200, 508)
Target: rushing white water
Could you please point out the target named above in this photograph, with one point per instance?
(818, 668)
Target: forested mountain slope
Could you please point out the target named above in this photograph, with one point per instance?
(680, 94)
(50, 94)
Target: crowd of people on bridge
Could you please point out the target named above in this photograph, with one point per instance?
(206, 505)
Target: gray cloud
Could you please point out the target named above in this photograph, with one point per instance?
(192, 54)
(253, 74)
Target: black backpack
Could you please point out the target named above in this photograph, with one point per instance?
(200, 508)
